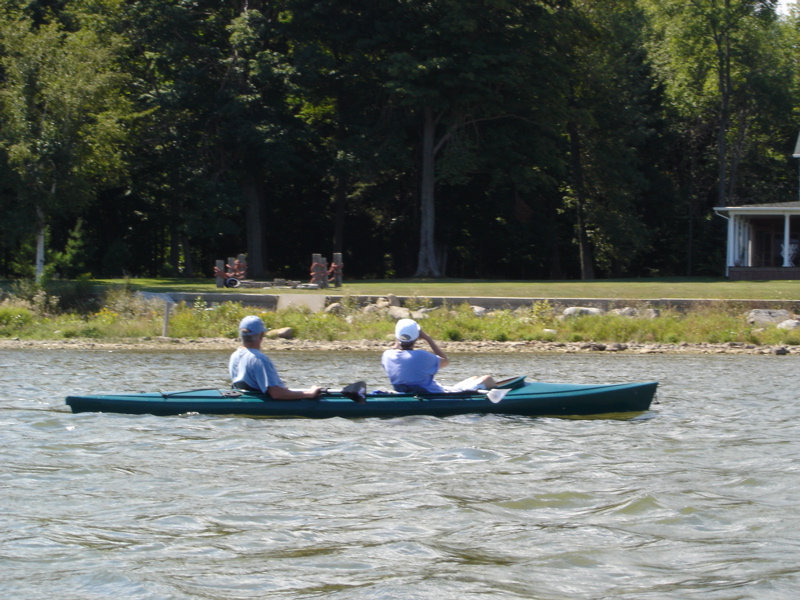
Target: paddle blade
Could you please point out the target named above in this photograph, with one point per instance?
(357, 392)
(496, 394)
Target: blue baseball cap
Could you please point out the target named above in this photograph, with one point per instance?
(251, 325)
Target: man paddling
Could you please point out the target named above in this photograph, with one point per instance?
(252, 370)
(413, 371)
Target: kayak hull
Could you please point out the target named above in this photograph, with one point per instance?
(521, 398)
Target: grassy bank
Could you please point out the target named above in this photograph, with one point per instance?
(31, 313)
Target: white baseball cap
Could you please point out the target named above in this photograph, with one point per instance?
(406, 330)
(251, 325)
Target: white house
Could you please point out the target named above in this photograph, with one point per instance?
(763, 239)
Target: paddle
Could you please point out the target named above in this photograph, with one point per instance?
(496, 394)
(357, 392)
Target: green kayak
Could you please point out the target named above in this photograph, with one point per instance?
(513, 397)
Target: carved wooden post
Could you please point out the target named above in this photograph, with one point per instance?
(336, 270)
(319, 270)
(324, 273)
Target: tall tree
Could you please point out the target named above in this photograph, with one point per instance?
(610, 108)
(702, 49)
(458, 64)
(337, 51)
(64, 114)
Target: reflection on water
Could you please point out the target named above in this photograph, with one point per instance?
(695, 498)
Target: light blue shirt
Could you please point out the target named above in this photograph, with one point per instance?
(254, 368)
(412, 370)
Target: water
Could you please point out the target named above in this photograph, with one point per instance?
(696, 499)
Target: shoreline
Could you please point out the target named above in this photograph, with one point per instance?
(160, 344)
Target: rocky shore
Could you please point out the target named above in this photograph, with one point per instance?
(159, 344)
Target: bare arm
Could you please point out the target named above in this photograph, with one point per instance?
(277, 392)
(443, 360)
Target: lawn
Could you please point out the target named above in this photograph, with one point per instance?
(633, 289)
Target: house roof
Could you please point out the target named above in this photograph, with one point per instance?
(769, 208)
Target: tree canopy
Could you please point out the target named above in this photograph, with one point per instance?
(527, 139)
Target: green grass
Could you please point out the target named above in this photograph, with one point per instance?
(123, 315)
(70, 310)
(628, 289)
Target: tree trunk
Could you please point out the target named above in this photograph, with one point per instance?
(427, 265)
(724, 83)
(340, 205)
(254, 196)
(188, 264)
(174, 249)
(40, 235)
(584, 248)
(555, 269)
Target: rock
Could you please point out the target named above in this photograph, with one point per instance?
(382, 303)
(479, 311)
(393, 300)
(284, 333)
(334, 309)
(789, 324)
(370, 309)
(652, 313)
(624, 312)
(574, 311)
(399, 312)
(780, 351)
(550, 331)
(762, 316)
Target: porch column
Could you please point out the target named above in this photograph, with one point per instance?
(731, 243)
(786, 255)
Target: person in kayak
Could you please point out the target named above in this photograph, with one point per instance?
(413, 371)
(252, 370)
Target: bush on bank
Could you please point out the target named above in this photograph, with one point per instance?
(32, 313)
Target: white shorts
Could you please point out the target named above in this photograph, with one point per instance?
(469, 384)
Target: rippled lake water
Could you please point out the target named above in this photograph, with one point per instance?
(697, 498)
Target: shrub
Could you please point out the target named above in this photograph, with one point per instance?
(14, 316)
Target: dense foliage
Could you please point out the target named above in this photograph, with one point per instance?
(517, 139)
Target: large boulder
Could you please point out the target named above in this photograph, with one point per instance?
(763, 316)
(285, 333)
